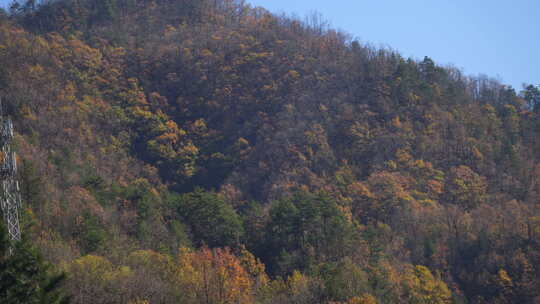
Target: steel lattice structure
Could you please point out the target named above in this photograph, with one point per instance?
(10, 198)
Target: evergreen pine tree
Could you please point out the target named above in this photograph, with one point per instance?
(24, 276)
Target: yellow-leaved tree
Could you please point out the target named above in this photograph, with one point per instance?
(421, 287)
(213, 276)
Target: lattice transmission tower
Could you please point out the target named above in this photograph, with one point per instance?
(10, 197)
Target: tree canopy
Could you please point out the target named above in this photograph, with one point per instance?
(212, 152)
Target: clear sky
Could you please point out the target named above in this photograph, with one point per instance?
(499, 38)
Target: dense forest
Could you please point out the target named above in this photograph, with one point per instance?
(208, 151)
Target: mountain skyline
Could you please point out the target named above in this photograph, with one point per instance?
(480, 37)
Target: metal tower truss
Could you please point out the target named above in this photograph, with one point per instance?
(10, 208)
(10, 199)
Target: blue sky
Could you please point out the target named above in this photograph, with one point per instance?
(499, 38)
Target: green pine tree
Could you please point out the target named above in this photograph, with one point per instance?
(24, 276)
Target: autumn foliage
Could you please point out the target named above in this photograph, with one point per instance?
(211, 152)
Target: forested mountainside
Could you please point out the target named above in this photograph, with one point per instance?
(205, 151)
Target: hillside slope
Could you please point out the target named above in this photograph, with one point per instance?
(153, 133)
